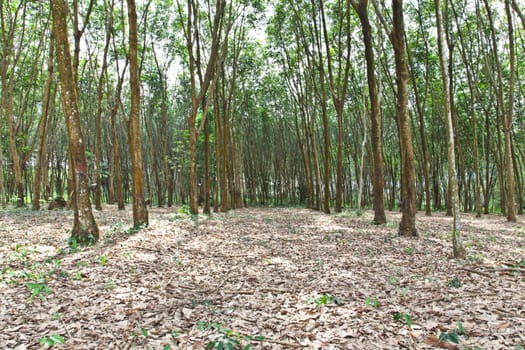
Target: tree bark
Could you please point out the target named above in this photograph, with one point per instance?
(85, 229)
(407, 226)
(140, 210)
(375, 113)
(42, 128)
(458, 249)
(507, 124)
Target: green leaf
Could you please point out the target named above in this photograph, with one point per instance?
(144, 332)
(396, 316)
(454, 337)
(57, 339)
(46, 341)
(408, 320)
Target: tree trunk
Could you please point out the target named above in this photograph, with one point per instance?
(85, 229)
(458, 249)
(507, 123)
(407, 226)
(40, 165)
(140, 210)
(375, 114)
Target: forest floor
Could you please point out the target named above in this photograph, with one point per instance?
(260, 279)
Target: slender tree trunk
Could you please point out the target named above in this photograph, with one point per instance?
(42, 128)
(207, 175)
(507, 124)
(98, 118)
(375, 114)
(407, 226)
(458, 249)
(7, 106)
(362, 164)
(85, 229)
(140, 210)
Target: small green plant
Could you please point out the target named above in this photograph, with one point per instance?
(372, 302)
(454, 283)
(325, 299)
(228, 339)
(103, 260)
(403, 316)
(21, 252)
(116, 226)
(268, 220)
(409, 250)
(38, 289)
(110, 284)
(454, 335)
(52, 340)
(72, 243)
(184, 209)
(77, 276)
(475, 258)
(132, 230)
(57, 316)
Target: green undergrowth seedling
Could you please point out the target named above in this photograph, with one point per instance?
(397, 316)
(184, 209)
(324, 299)
(37, 289)
(372, 302)
(134, 229)
(228, 339)
(103, 259)
(52, 340)
(409, 251)
(454, 283)
(454, 335)
(20, 252)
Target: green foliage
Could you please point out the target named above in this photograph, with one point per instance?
(409, 250)
(325, 299)
(372, 302)
(132, 230)
(475, 258)
(397, 316)
(38, 289)
(21, 252)
(110, 284)
(103, 260)
(228, 339)
(454, 283)
(185, 209)
(52, 340)
(74, 243)
(454, 335)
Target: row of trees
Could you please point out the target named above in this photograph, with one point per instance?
(332, 104)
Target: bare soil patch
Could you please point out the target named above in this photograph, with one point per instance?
(272, 278)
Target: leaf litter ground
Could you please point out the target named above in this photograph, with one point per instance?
(260, 279)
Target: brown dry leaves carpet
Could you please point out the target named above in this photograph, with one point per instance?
(260, 279)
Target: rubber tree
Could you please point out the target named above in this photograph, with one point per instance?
(85, 229)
